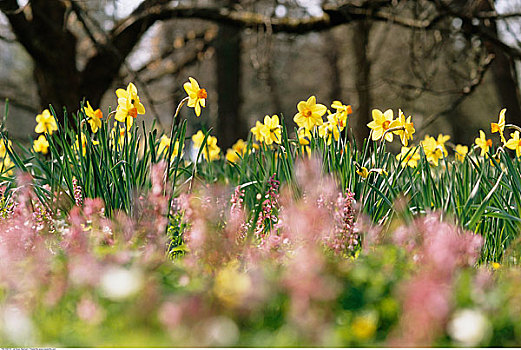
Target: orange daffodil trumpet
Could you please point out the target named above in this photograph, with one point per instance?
(196, 95)
(129, 105)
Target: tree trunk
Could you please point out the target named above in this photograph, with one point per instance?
(504, 72)
(360, 42)
(230, 125)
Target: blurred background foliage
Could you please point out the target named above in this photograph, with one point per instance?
(450, 64)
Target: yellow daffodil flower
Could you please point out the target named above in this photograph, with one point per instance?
(83, 143)
(406, 124)
(309, 113)
(500, 125)
(41, 145)
(93, 117)
(407, 157)
(211, 151)
(441, 142)
(271, 131)
(118, 133)
(238, 150)
(433, 151)
(304, 139)
(483, 143)
(46, 123)
(514, 143)
(363, 172)
(328, 131)
(342, 111)
(257, 131)
(461, 152)
(164, 143)
(4, 147)
(128, 104)
(196, 95)
(7, 166)
(381, 123)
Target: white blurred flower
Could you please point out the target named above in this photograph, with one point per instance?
(17, 326)
(469, 327)
(221, 331)
(118, 283)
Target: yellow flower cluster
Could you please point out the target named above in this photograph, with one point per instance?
(270, 132)
(238, 150)
(129, 105)
(6, 166)
(514, 143)
(211, 151)
(164, 144)
(46, 124)
(384, 125)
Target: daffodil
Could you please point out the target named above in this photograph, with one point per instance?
(433, 151)
(6, 166)
(4, 147)
(211, 151)
(41, 145)
(309, 113)
(407, 127)
(304, 139)
(129, 104)
(238, 150)
(514, 143)
(164, 143)
(257, 131)
(83, 143)
(196, 95)
(46, 123)
(342, 111)
(93, 117)
(363, 172)
(380, 124)
(441, 142)
(271, 131)
(483, 143)
(328, 131)
(118, 134)
(500, 125)
(408, 157)
(461, 152)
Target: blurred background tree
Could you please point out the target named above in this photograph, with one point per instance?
(450, 64)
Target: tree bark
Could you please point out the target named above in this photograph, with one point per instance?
(360, 41)
(505, 75)
(228, 72)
